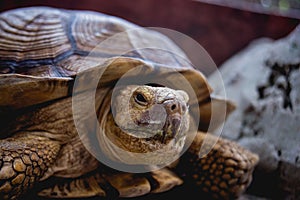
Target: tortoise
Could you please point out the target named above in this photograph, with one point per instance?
(49, 57)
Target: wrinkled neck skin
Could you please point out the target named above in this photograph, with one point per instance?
(121, 146)
(125, 148)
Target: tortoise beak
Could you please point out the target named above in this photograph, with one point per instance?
(174, 109)
(171, 128)
(175, 124)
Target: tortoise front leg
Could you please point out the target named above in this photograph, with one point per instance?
(23, 161)
(224, 173)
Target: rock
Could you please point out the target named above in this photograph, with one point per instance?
(269, 159)
(264, 81)
(250, 197)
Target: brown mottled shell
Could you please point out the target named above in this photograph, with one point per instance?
(43, 49)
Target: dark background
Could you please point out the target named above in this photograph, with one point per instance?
(222, 31)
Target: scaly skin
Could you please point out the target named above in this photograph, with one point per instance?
(224, 173)
(24, 159)
(26, 156)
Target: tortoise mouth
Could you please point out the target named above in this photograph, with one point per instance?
(160, 136)
(172, 129)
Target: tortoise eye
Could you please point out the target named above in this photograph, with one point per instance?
(140, 99)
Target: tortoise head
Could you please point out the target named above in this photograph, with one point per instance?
(150, 120)
(153, 113)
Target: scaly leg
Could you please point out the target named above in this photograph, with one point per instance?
(110, 183)
(224, 173)
(23, 161)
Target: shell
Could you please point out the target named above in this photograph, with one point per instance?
(43, 50)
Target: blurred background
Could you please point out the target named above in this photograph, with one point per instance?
(222, 27)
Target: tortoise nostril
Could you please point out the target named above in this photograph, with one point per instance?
(173, 107)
